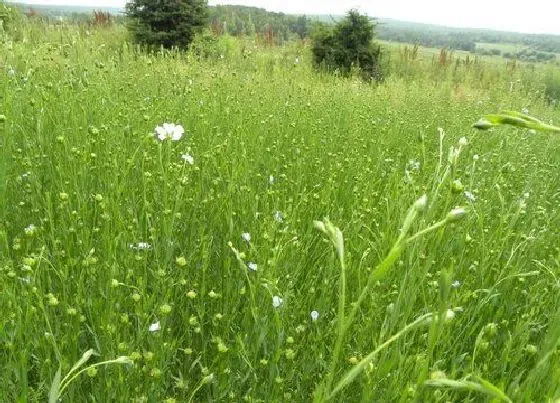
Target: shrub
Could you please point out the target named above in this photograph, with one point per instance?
(347, 45)
(167, 23)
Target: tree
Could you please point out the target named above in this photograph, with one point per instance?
(348, 44)
(167, 23)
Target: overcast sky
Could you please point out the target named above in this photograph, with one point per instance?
(538, 16)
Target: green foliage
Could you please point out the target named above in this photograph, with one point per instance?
(552, 84)
(242, 20)
(166, 23)
(515, 119)
(11, 19)
(347, 45)
(113, 240)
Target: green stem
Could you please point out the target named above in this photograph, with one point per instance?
(354, 372)
(341, 324)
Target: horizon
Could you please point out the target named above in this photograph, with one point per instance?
(432, 12)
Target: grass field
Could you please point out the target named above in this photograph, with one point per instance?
(282, 249)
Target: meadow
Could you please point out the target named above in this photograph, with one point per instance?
(308, 237)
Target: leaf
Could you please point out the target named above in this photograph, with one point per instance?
(483, 387)
(54, 392)
(515, 119)
(85, 358)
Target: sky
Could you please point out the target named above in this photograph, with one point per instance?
(536, 16)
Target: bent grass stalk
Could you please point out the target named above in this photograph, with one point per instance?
(58, 386)
(515, 119)
(381, 270)
(479, 385)
(354, 372)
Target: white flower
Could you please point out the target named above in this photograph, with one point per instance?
(414, 165)
(456, 214)
(470, 197)
(154, 327)
(252, 266)
(421, 203)
(463, 141)
(277, 301)
(278, 216)
(30, 229)
(297, 60)
(140, 246)
(475, 157)
(314, 315)
(456, 284)
(169, 131)
(246, 237)
(525, 111)
(271, 180)
(449, 315)
(188, 158)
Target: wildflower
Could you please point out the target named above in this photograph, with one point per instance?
(314, 316)
(252, 266)
(463, 141)
(246, 237)
(531, 349)
(165, 309)
(188, 158)
(277, 301)
(222, 348)
(278, 216)
(456, 214)
(470, 197)
(154, 327)
(449, 315)
(475, 157)
(30, 229)
(414, 165)
(181, 261)
(271, 180)
(140, 246)
(169, 131)
(421, 203)
(456, 284)
(457, 186)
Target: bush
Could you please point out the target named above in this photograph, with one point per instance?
(347, 45)
(167, 23)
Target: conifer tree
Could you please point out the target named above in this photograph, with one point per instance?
(167, 23)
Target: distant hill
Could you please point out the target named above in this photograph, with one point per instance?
(62, 10)
(242, 20)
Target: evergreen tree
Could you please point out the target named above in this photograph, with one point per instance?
(348, 44)
(167, 23)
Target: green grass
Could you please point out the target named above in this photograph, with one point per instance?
(276, 147)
